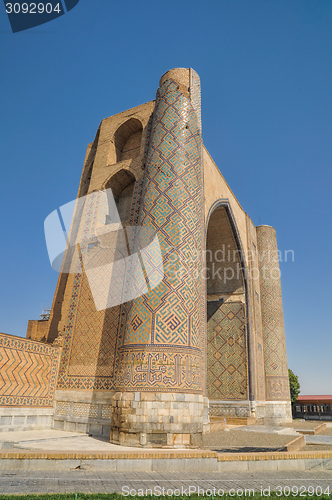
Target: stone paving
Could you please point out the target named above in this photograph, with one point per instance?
(262, 438)
(318, 439)
(107, 482)
(237, 440)
(54, 440)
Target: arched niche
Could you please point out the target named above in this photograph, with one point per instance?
(122, 184)
(227, 355)
(127, 139)
(223, 256)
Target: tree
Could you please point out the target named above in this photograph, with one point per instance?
(294, 385)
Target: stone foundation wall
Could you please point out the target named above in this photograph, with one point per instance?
(273, 412)
(158, 419)
(265, 412)
(25, 419)
(88, 412)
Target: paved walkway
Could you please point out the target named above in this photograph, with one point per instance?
(55, 440)
(107, 482)
(255, 438)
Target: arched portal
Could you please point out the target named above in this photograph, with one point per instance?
(227, 367)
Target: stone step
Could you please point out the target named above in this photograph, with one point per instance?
(233, 420)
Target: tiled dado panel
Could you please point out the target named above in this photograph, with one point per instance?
(230, 410)
(83, 411)
(28, 372)
(163, 341)
(227, 351)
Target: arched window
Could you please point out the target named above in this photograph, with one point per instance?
(122, 185)
(128, 139)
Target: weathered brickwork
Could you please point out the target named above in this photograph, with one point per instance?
(37, 330)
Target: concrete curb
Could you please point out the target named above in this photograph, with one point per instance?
(313, 432)
(296, 444)
(166, 461)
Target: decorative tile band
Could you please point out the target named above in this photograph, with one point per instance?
(258, 457)
(239, 457)
(105, 456)
(91, 411)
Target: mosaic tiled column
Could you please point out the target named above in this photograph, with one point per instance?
(162, 362)
(275, 354)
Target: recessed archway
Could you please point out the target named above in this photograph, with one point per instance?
(227, 367)
(127, 139)
(122, 185)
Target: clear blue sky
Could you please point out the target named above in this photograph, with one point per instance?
(266, 73)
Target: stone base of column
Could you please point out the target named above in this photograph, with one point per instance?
(273, 412)
(158, 420)
(263, 412)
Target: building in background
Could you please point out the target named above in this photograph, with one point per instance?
(313, 407)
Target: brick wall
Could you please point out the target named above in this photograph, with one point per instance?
(28, 372)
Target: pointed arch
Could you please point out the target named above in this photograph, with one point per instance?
(127, 139)
(227, 318)
(122, 184)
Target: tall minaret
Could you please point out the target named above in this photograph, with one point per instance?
(275, 353)
(162, 359)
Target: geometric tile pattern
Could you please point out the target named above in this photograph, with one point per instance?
(106, 412)
(85, 410)
(94, 338)
(136, 202)
(230, 411)
(62, 408)
(227, 352)
(195, 95)
(165, 326)
(254, 316)
(28, 372)
(274, 342)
